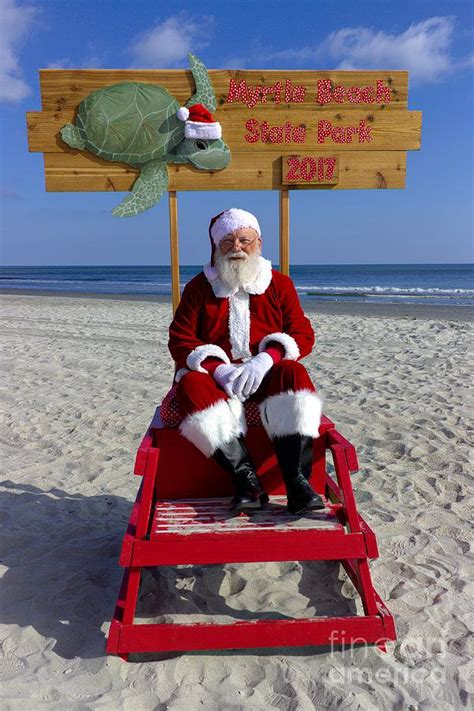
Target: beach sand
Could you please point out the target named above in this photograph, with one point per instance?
(80, 379)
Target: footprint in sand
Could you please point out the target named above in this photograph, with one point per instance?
(11, 666)
(399, 546)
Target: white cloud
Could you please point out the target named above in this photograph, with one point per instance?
(15, 23)
(424, 49)
(168, 43)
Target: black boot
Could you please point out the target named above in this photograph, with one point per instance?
(235, 458)
(295, 458)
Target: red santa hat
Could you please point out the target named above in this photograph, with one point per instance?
(199, 122)
(228, 221)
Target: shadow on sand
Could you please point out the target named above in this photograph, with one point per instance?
(61, 553)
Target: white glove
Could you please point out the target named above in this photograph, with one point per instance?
(251, 374)
(224, 375)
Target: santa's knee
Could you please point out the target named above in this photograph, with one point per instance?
(196, 391)
(191, 381)
(290, 375)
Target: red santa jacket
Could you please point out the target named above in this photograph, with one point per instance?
(213, 321)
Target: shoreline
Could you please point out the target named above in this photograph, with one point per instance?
(336, 308)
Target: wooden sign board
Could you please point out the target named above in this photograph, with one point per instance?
(267, 117)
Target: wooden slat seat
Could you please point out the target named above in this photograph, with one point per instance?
(186, 517)
(193, 531)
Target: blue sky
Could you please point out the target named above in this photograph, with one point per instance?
(431, 220)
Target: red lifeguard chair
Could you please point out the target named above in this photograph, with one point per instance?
(184, 519)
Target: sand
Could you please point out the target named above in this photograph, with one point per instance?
(80, 379)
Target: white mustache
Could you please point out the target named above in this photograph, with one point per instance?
(237, 268)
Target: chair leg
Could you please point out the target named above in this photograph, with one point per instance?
(359, 573)
(366, 588)
(127, 602)
(131, 596)
(360, 568)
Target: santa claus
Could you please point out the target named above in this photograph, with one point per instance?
(239, 333)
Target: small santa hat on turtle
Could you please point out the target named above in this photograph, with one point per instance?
(199, 122)
(228, 221)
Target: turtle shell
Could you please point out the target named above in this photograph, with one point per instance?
(130, 122)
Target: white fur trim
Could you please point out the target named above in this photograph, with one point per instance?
(199, 129)
(239, 325)
(258, 286)
(210, 272)
(292, 352)
(195, 358)
(180, 374)
(183, 113)
(292, 413)
(231, 220)
(237, 409)
(218, 424)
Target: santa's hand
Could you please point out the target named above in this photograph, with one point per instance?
(224, 375)
(251, 374)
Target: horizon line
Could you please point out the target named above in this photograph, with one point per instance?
(296, 264)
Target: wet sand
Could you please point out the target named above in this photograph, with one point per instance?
(313, 306)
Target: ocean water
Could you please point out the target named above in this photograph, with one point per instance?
(434, 284)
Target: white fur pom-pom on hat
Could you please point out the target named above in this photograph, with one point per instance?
(183, 113)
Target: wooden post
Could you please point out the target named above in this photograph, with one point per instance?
(174, 251)
(284, 231)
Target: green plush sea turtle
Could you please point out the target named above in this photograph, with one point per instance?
(144, 126)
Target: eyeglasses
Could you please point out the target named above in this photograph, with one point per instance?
(244, 242)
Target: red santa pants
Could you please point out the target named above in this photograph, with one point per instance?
(286, 398)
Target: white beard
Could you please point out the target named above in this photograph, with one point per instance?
(236, 271)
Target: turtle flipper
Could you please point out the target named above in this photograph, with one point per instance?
(72, 136)
(147, 190)
(204, 93)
